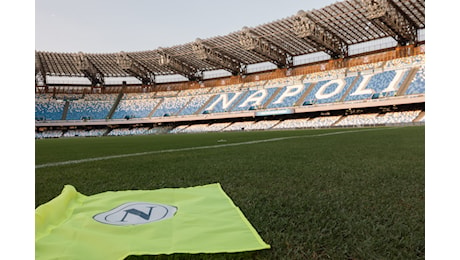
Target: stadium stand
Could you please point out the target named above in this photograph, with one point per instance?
(217, 127)
(178, 129)
(387, 85)
(263, 125)
(322, 121)
(48, 134)
(288, 95)
(88, 109)
(225, 89)
(315, 89)
(171, 106)
(293, 124)
(195, 105)
(158, 130)
(48, 108)
(398, 117)
(329, 91)
(84, 133)
(239, 126)
(135, 106)
(197, 128)
(417, 86)
(128, 131)
(223, 102)
(254, 99)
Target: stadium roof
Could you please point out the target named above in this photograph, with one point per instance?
(331, 30)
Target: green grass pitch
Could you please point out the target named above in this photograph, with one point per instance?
(356, 193)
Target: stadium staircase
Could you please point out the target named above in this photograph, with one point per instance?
(420, 116)
(155, 108)
(269, 101)
(302, 98)
(273, 127)
(115, 104)
(66, 108)
(402, 90)
(349, 90)
(381, 114)
(338, 120)
(107, 131)
(185, 106)
(239, 100)
(200, 110)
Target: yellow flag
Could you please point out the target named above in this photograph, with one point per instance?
(114, 225)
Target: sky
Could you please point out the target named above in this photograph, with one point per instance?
(108, 26)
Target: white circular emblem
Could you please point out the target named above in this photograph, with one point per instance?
(136, 213)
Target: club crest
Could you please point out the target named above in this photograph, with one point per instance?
(136, 213)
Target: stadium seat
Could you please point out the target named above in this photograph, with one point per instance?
(94, 109)
(417, 86)
(139, 106)
(48, 108)
(171, 106)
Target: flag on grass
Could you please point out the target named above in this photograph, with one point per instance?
(114, 225)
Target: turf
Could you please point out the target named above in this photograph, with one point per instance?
(358, 194)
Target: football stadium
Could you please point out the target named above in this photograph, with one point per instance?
(300, 138)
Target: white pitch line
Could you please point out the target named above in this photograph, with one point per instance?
(197, 148)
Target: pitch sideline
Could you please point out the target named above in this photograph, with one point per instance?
(200, 148)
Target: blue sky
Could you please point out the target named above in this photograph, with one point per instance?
(107, 26)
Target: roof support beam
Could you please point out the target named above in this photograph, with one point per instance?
(255, 43)
(128, 64)
(307, 29)
(179, 66)
(204, 52)
(88, 68)
(388, 16)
